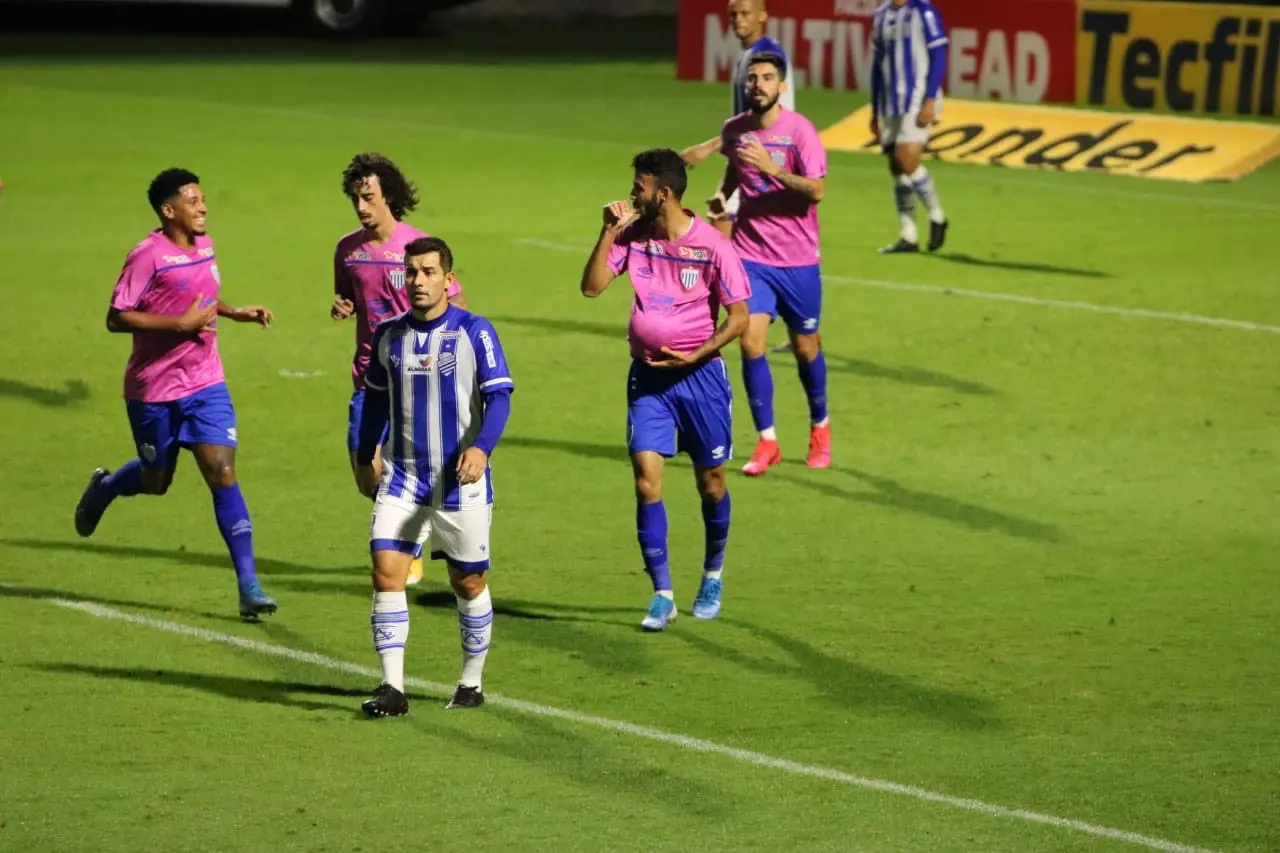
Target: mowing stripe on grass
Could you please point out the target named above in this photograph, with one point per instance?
(647, 733)
(995, 296)
(854, 163)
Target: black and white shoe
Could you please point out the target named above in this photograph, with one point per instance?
(466, 697)
(386, 702)
(901, 247)
(937, 234)
(90, 508)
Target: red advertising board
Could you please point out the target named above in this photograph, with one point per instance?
(1011, 50)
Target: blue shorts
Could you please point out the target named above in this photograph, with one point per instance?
(353, 421)
(160, 430)
(793, 292)
(681, 411)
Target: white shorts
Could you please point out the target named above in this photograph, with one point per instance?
(460, 537)
(902, 130)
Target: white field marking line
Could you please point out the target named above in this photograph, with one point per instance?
(645, 732)
(506, 136)
(995, 296)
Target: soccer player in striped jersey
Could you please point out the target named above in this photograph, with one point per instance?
(678, 395)
(368, 272)
(909, 59)
(747, 17)
(439, 390)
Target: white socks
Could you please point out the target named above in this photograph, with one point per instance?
(390, 623)
(475, 626)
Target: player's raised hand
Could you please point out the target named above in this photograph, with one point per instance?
(618, 215)
(471, 465)
(342, 308)
(255, 314)
(197, 319)
(675, 358)
(754, 154)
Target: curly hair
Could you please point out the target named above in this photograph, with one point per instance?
(166, 185)
(399, 191)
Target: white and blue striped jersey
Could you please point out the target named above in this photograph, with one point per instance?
(909, 57)
(739, 79)
(437, 375)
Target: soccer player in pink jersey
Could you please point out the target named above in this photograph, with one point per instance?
(368, 274)
(778, 165)
(678, 394)
(168, 298)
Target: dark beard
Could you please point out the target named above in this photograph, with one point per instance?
(762, 109)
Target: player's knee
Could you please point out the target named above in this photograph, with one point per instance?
(711, 483)
(156, 482)
(388, 575)
(648, 489)
(753, 344)
(806, 347)
(467, 586)
(220, 476)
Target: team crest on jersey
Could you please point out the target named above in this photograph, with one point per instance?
(446, 363)
(688, 277)
(397, 278)
(779, 158)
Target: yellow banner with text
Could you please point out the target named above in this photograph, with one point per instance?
(1064, 139)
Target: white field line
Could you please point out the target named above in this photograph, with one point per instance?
(644, 732)
(994, 296)
(987, 177)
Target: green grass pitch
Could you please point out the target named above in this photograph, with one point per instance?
(1041, 576)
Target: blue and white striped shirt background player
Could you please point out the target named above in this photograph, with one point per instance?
(909, 62)
(439, 384)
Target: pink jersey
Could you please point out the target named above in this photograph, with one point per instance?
(161, 278)
(775, 225)
(372, 276)
(679, 285)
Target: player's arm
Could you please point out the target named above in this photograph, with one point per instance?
(728, 185)
(732, 290)
(375, 415)
(877, 77)
(136, 278)
(757, 155)
(695, 155)
(495, 387)
(248, 314)
(609, 257)
(344, 295)
(936, 42)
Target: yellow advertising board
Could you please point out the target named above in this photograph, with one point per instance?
(1180, 57)
(1064, 139)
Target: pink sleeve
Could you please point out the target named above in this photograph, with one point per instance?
(454, 289)
(620, 251)
(341, 280)
(135, 278)
(732, 284)
(813, 157)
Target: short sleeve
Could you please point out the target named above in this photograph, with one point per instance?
(620, 251)
(376, 376)
(139, 270)
(731, 282)
(454, 289)
(492, 373)
(811, 153)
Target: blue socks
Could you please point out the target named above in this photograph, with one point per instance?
(715, 516)
(124, 482)
(758, 380)
(237, 531)
(651, 530)
(813, 376)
